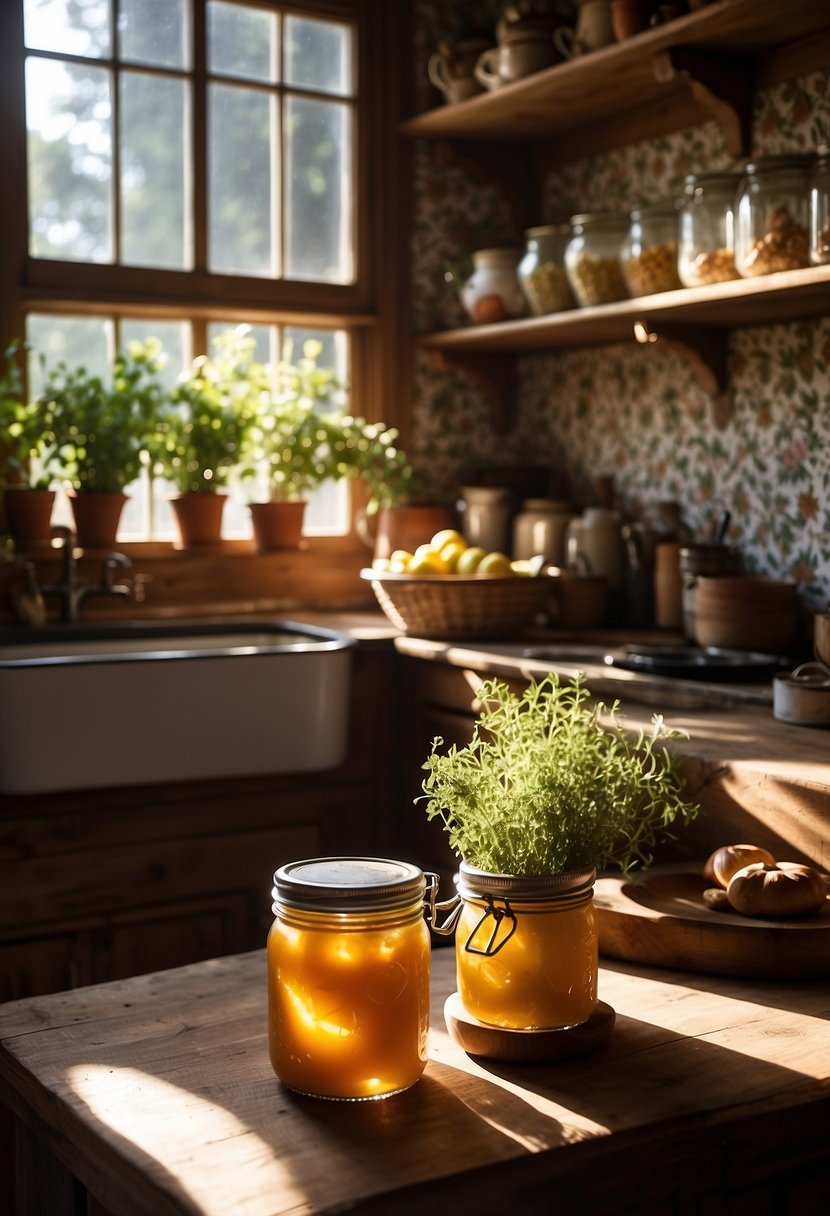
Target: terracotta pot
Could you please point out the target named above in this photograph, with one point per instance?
(199, 518)
(402, 527)
(29, 515)
(97, 516)
(630, 17)
(277, 525)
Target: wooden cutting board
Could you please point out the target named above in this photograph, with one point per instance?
(659, 917)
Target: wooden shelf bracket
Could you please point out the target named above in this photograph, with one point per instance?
(720, 84)
(704, 348)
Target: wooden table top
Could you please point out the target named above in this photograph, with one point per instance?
(157, 1093)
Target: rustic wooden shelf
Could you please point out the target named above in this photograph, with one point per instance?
(695, 320)
(698, 67)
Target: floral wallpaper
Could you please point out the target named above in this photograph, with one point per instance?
(636, 413)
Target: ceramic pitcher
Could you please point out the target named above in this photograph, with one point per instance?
(594, 545)
(594, 28)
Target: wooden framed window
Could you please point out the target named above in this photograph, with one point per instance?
(174, 167)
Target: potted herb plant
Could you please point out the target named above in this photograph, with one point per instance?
(544, 794)
(302, 437)
(27, 450)
(103, 428)
(202, 431)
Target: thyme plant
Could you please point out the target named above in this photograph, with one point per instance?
(545, 787)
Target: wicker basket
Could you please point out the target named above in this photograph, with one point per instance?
(459, 606)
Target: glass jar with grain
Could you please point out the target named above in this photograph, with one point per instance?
(542, 269)
(772, 223)
(592, 257)
(648, 256)
(820, 208)
(706, 252)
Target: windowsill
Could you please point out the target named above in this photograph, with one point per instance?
(168, 582)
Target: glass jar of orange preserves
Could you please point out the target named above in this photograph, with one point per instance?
(526, 948)
(348, 977)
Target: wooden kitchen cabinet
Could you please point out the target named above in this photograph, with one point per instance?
(102, 884)
(706, 65)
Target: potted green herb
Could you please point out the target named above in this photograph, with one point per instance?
(302, 437)
(202, 431)
(544, 793)
(27, 450)
(103, 428)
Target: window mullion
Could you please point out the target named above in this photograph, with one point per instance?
(199, 135)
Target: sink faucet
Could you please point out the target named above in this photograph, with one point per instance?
(71, 590)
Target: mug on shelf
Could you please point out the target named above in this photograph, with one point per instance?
(512, 60)
(594, 29)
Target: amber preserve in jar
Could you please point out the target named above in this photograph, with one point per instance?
(348, 977)
(526, 948)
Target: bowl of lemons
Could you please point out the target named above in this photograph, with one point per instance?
(447, 588)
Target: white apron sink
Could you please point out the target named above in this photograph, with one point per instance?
(112, 705)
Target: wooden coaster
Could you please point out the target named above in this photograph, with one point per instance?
(526, 1046)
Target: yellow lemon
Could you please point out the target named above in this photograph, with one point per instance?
(399, 560)
(445, 536)
(521, 566)
(383, 564)
(496, 564)
(468, 561)
(451, 551)
(426, 560)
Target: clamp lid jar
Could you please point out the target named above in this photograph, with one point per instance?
(772, 219)
(820, 207)
(348, 976)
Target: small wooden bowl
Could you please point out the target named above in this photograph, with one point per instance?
(526, 1046)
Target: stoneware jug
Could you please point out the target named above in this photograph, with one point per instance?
(512, 60)
(594, 545)
(452, 69)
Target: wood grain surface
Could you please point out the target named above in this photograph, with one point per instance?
(157, 1093)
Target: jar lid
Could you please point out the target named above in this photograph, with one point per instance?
(348, 884)
(667, 207)
(790, 160)
(607, 218)
(472, 882)
(709, 181)
(562, 229)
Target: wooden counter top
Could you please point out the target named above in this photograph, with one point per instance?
(156, 1092)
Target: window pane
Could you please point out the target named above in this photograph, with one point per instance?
(318, 55)
(153, 31)
(77, 341)
(319, 188)
(154, 152)
(241, 42)
(241, 199)
(68, 112)
(70, 27)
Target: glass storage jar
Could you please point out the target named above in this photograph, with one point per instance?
(592, 257)
(648, 255)
(706, 252)
(820, 207)
(772, 219)
(526, 948)
(542, 269)
(348, 976)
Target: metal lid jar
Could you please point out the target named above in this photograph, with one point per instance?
(592, 257)
(526, 948)
(820, 207)
(348, 961)
(772, 222)
(706, 248)
(542, 269)
(648, 255)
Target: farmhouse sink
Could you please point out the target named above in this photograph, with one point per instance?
(93, 706)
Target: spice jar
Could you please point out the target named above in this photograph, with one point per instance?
(348, 976)
(526, 948)
(772, 219)
(592, 257)
(706, 252)
(648, 255)
(820, 207)
(542, 269)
